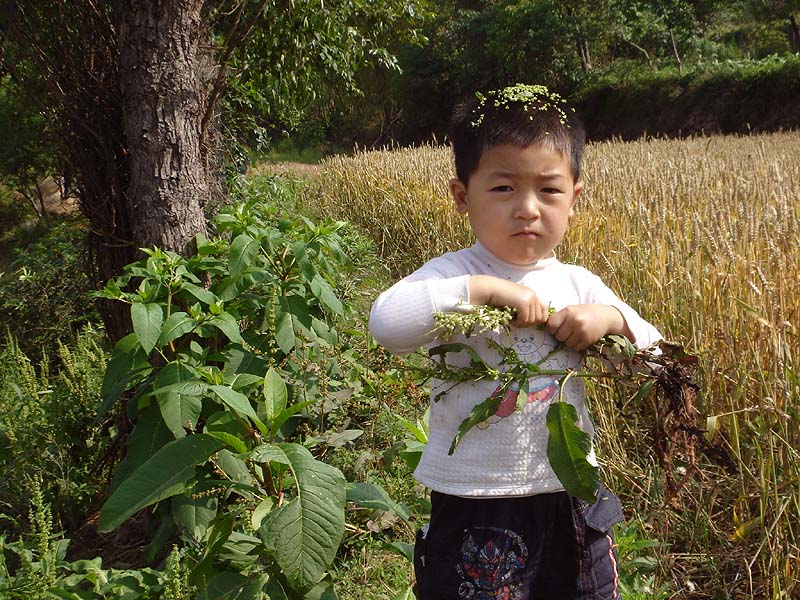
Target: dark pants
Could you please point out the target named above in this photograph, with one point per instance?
(547, 546)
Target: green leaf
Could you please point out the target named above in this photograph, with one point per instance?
(163, 475)
(128, 363)
(269, 453)
(370, 495)
(226, 427)
(194, 514)
(284, 332)
(233, 442)
(275, 394)
(478, 414)
(243, 250)
(175, 326)
(227, 325)
(226, 586)
(147, 320)
(522, 395)
(322, 591)
(179, 411)
(205, 296)
(239, 403)
(304, 534)
(149, 435)
(443, 349)
(323, 291)
(567, 449)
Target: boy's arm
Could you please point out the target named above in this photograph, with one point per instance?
(401, 319)
(493, 291)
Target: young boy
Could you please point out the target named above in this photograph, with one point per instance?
(501, 525)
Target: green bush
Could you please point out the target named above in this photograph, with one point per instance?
(47, 429)
(44, 297)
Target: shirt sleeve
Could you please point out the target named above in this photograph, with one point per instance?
(401, 319)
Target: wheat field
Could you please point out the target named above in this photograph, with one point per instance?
(701, 236)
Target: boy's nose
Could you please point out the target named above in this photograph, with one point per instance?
(528, 207)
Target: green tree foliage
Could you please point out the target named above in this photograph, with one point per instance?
(26, 155)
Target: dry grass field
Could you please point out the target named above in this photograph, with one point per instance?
(701, 236)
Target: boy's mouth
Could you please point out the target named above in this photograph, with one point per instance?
(526, 234)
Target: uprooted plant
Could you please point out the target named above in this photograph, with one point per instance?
(672, 420)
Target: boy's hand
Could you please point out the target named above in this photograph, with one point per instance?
(493, 291)
(581, 325)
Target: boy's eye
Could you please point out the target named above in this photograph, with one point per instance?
(501, 188)
(551, 190)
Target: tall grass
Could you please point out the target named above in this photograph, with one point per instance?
(701, 236)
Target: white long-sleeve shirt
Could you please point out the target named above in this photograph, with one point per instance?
(507, 454)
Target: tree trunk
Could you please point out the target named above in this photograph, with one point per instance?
(164, 76)
(794, 34)
(583, 50)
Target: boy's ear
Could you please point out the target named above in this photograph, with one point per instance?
(459, 193)
(577, 189)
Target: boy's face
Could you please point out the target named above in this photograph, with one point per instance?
(519, 201)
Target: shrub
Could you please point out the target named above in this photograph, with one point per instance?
(45, 297)
(47, 429)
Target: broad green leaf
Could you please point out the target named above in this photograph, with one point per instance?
(337, 439)
(179, 411)
(128, 364)
(419, 431)
(478, 414)
(193, 514)
(304, 534)
(234, 467)
(239, 381)
(284, 332)
(322, 591)
(261, 511)
(443, 349)
(227, 428)
(226, 586)
(323, 292)
(149, 435)
(227, 325)
(567, 449)
(269, 453)
(243, 250)
(176, 325)
(403, 549)
(233, 442)
(370, 495)
(275, 394)
(163, 475)
(240, 360)
(239, 403)
(205, 296)
(147, 320)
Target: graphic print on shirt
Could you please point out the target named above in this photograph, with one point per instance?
(533, 346)
(492, 563)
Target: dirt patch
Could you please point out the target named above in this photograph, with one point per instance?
(55, 203)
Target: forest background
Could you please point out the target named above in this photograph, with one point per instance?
(161, 438)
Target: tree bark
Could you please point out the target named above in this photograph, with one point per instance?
(164, 75)
(583, 50)
(794, 34)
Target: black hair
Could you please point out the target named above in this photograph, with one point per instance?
(483, 122)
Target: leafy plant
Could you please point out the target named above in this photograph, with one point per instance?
(47, 429)
(38, 303)
(568, 446)
(224, 367)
